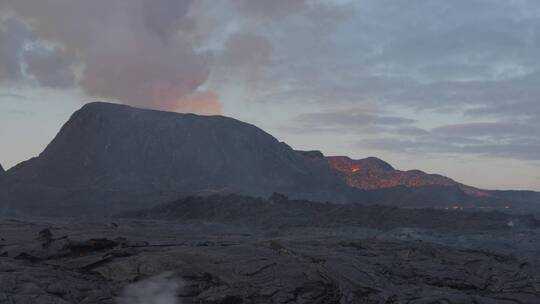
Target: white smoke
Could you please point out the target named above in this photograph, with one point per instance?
(161, 289)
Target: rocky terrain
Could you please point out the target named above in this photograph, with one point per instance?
(207, 255)
(280, 212)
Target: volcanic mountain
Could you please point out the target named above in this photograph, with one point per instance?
(109, 158)
(114, 154)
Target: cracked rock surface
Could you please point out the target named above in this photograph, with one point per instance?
(63, 261)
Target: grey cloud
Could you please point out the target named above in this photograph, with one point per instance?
(246, 49)
(411, 131)
(17, 112)
(516, 140)
(159, 53)
(529, 107)
(265, 8)
(490, 129)
(165, 17)
(514, 150)
(476, 42)
(349, 120)
(516, 98)
(434, 55)
(13, 35)
(128, 49)
(21, 56)
(473, 57)
(392, 120)
(468, 57)
(50, 67)
(401, 145)
(13, 96)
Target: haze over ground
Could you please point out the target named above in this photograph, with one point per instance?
(448, 86)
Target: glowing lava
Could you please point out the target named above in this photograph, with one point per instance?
(373, 173)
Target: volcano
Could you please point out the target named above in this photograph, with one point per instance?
(116, 156)
(109, 158)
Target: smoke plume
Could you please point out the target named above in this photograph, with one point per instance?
(132, 51)
(159, 54)
(161, 289)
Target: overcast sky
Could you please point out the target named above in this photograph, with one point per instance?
(445, 86)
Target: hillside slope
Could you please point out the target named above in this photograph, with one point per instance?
(107, 150)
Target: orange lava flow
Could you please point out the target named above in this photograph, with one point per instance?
(372, 174)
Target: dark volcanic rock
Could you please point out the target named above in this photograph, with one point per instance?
(119, 146)
(311, 154)
(279, 212)
(114, 155)
(530, 197)
(217, 268)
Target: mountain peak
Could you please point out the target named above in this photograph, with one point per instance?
(111, 149)
(311, 153)
(103, 104)
(350, 166)
(101, 107)
(108, 108)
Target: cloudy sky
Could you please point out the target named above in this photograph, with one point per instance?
(446, 86)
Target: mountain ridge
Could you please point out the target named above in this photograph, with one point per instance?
(372, 173)
(112, 157)
(109, 148)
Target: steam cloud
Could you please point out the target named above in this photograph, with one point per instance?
(132, 51)
(151, 53)
(161, 289)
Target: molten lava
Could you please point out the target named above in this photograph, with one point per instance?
(373, 173)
